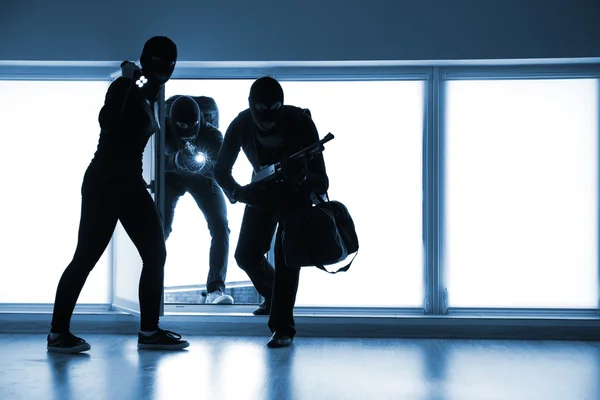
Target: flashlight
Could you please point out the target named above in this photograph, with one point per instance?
(200, 158)
(141, 81)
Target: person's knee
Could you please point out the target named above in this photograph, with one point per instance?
(162, 255)
(83, 261)
(81, 266)
(220, 229)
(248, 258)
(158, 256)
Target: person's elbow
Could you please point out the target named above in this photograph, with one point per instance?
(317, 183)
(107, 119)
(220, 174)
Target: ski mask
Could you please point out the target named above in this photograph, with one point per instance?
(158, 62)
(266, 102)
(185, 118)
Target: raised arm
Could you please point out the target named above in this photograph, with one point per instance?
(114, 104)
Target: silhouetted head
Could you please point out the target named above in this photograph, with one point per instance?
(209, 109)
(266, 102)
(158, 59)
(185, 118)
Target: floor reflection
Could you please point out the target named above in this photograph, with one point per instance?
(313, 368)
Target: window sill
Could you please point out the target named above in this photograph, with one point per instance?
(372, 323)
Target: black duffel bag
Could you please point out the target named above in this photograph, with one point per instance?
(321, 235)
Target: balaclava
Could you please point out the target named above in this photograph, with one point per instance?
(158, 62)
(266, 102)
(185, 118)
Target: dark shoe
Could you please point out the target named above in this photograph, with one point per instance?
(264, 308)
(279, 340)
(161, 340)
(67, 343)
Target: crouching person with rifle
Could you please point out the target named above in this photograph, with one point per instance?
(269, 132)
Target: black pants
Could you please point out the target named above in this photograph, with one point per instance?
(211, 201)
(104, 202)
(279, 283)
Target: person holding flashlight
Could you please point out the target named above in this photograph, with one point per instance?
(191, 149)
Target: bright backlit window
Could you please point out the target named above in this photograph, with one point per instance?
(375, 168)
(50, 132)
(189, 243)
(521, 187)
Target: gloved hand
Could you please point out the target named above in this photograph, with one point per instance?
(191, 148)
(294, 171)
(131, 71)
(252, 194)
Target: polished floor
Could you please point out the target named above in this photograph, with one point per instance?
(223, 368)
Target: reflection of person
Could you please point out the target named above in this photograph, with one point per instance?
(114, 190)
(267, 132)
(192, 147)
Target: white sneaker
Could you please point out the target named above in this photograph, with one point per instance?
(218, 297)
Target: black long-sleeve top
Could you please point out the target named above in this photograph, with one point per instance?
(127, 120)
(298, 131)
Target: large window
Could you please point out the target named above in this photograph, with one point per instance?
(521, 193)
(49, 135)
(518, 189)
(374, 165)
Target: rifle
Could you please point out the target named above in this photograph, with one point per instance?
(270, 171)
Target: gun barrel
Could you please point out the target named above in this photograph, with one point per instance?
(313, 148)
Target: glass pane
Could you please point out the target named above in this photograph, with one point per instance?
(386, 145)
(50, 133)
(374, 166)
(189, 243)
(521, 193)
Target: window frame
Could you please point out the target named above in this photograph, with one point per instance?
(455, 73)
(435, 75)
(61, 71)
(318, 73)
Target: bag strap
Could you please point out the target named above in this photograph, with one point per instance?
(343, 269)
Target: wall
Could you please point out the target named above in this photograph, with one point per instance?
(309, 30)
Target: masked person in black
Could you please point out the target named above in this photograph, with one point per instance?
(268, 131)
(114, 190)
(191, 147)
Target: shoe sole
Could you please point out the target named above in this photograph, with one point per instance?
(275, 345)
(222, 300)
(69, 350)
(144, 346)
